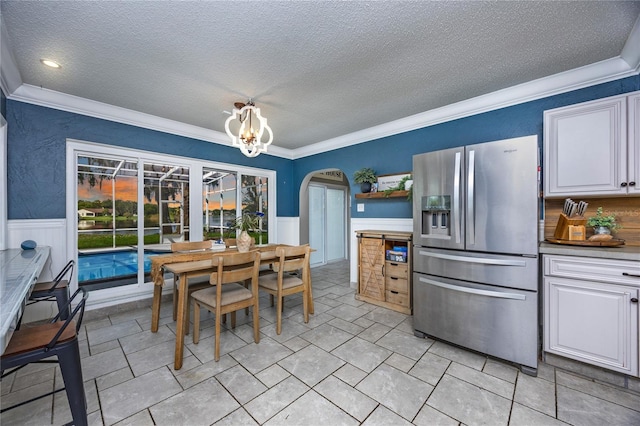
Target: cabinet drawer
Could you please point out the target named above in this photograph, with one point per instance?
(396, 269)
(397, 298)
(592, 269)
(397, 284)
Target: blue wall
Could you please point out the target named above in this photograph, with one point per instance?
(393, 154)
(36, 150)
(37, 155)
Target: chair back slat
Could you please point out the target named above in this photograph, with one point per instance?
(187, 246)
(68, 269)
(77, 311)
(234, 267)
(293, 258)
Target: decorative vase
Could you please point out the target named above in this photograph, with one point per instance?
(601, 230)
(365, 187)
(244, 242)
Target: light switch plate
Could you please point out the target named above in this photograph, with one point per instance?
(360, 207)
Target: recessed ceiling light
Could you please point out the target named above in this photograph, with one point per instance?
(50, 63)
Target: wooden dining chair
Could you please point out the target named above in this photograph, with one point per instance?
(292, 276)
(227, 295)
(195, 283)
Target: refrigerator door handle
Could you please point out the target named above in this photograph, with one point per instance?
(471, 216)
(482, 260)
(457, 217)
(474, 290)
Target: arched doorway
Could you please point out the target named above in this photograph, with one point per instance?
(324, 215)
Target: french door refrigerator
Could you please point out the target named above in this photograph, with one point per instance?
(475, 280)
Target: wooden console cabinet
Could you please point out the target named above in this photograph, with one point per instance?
(380, 281)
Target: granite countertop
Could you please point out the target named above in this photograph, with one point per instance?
(623, 252)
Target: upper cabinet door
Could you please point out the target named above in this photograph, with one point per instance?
(586, 149)
(633, 143)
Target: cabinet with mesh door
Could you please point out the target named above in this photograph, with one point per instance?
(384, 269)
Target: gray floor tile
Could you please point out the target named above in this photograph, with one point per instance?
(103, 363)
(398, 391)
(105, 334)
(34, 413)
(404, 344)
(275, 399)
(386, 316)
(382, 416)
(364, 355)
(400, 362)
(354, 402)
(114, 378)
(202, 404)
(326, 337)
(241, 384)
(311, 364)
(310, 409)
(273, 375)
(459, 355)
(347, 312)
(536, 393)
(521, 415)
(193, 376)
(143, 418)
(429, 416)
(581, 409)
(374, 332)
(501, 370)
(257, 357)
(469, 404)
(205, 349)
(126, 399)
(482, 380)
(430, 368)
(608, 393)
(153, 357)
(350, 374)
(347, 326)
(144, 339)
(238, 417)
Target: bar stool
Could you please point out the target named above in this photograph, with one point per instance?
(57, 289)
(59, 339)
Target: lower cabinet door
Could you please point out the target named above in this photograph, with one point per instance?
(592, 322)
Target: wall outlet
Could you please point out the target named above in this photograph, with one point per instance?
(360, 207)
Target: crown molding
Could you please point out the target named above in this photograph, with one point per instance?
(631, 50)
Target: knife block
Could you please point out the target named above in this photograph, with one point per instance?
(562, 228)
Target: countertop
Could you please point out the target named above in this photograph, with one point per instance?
(623, 252)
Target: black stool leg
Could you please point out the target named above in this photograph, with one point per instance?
(62, 299)
(69, 358)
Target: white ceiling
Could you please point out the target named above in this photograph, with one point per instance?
(319, 70)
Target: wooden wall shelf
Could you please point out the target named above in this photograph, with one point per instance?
(394, 194)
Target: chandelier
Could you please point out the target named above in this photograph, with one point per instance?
(249, 139)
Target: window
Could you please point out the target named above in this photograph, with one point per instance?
(131, 205)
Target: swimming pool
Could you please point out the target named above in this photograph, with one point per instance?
(110, 265)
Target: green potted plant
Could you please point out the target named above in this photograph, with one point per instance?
(402, 186)
(365, 177)
(601, 223)
(246, 223)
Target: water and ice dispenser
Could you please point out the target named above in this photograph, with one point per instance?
(436, 214)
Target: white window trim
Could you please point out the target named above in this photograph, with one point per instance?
(112, 296)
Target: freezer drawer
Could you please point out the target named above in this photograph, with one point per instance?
(492, 320)
(503, 270)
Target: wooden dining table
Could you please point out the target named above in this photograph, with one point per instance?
(185, 266)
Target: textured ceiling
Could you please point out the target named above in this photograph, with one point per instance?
(318, 70)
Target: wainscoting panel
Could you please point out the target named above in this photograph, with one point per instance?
(45, 232)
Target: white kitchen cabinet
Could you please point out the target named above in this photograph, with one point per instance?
(591, 148)
(591, 311)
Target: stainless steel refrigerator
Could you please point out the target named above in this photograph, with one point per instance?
(475, 281)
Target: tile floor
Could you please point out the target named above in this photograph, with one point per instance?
(353, 363)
